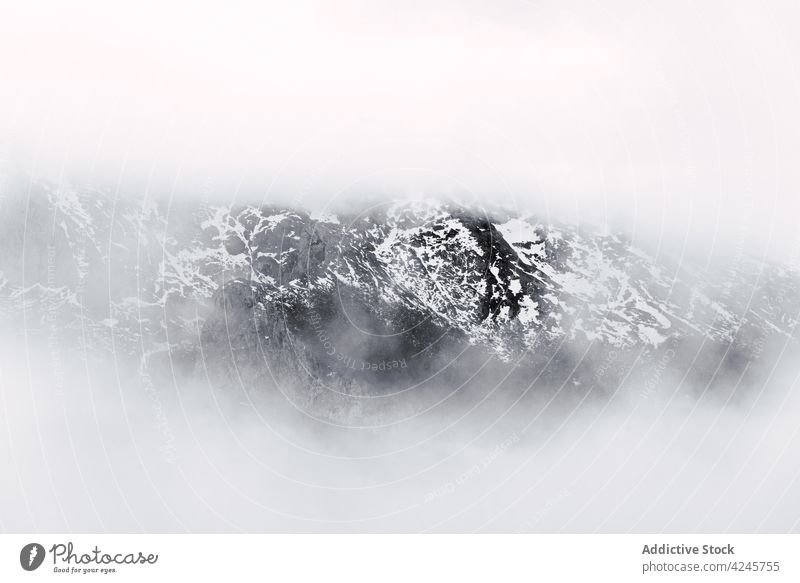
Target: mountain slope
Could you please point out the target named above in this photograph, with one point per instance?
(363, 304)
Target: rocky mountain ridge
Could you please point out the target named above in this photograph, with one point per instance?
(362, 302)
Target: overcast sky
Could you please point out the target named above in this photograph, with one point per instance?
(675, 121)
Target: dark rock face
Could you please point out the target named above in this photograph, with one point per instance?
(366, 304)
(331, 336)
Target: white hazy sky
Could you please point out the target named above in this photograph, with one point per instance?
(675, 121)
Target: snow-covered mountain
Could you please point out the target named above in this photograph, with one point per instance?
(369, 302)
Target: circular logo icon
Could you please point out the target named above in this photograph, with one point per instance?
(31, 556)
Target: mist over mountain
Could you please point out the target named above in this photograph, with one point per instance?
(384, 301)
(460, 267)
(392, 367)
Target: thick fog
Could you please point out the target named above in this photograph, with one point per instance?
(674, 124)
(677, 123)
(93, 445)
